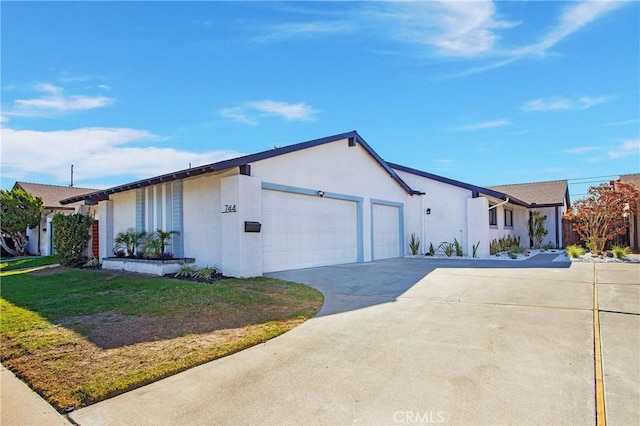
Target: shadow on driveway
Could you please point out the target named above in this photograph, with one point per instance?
(359, 285)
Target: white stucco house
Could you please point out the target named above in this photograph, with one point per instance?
(326, 201)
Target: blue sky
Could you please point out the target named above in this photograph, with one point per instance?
(483, 92)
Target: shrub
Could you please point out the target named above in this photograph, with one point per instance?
(71, 235)
(447, 248)
(206, 272)
(574, 251)
(475, 249)
(548, 246)
(186, 270)
(414, 244)
(432, 251)
(457, 247)
(620, 251)
(537, 229)
(93, 263)
(503, 244)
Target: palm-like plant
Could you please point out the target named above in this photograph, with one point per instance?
(128, 241)
(164, 237)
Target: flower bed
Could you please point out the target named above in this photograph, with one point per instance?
(145, 266)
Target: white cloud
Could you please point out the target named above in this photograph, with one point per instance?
(581, 150)
(299, 111)
(238, 114)
(53, 101)
(574, 18)
(453, 28)
(304, 30)
(483, 125)
(628, 147)
(247, 113)
(621, 123)
(95, 152)
(556, 103)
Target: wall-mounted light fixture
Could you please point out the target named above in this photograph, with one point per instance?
(428, 211)
(321, 193)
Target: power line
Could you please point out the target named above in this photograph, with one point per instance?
(594, 177)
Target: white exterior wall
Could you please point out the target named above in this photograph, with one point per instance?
(202, 220)
(520, 223)
(448, 205)
(550, 224)
(335, 167)
(124, 212)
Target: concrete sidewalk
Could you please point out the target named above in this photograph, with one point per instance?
(19, 405)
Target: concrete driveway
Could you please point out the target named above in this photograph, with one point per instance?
(409, 341)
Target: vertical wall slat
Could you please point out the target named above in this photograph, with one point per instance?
(150, 209)
(168, 220)
(177, 215)
(140, 197)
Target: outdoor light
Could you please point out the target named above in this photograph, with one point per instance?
(321, 193)
(428, 211)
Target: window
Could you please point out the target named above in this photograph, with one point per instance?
(493, 216)
(508, 218)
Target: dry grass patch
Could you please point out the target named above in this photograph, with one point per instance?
(78, 337)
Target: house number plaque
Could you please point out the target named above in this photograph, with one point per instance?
(229, 208)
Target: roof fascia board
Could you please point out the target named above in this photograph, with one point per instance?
(238, 162)
(472, 188)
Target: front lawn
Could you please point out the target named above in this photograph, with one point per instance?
(80, 336)
(10, 264)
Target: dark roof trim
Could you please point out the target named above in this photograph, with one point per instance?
(97, 196)
(472, 188)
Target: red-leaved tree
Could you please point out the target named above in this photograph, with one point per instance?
(603, 214)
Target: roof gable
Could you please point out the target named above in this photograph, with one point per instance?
(52, 194)
(549, 193)
(353, 138)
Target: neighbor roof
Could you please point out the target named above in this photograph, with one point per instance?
(353, 137)
(631, 178)
(52, 194)
(541, 194)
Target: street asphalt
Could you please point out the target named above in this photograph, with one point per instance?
(410, 341)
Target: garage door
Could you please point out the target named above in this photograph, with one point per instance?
(386, 231)
(302, 231)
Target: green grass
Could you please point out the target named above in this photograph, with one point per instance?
(48, 320)
(9, 264)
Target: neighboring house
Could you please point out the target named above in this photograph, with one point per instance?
(551, 198)
(41, 237)
(322, 202)
(633, 237)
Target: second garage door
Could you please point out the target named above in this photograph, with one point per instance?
(386, 231)
(302, 231)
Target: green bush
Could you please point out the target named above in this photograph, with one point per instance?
(414, 244)
(620, 251)
(71, 236)
(447, 248)
(503, 244)
(458, 247)
(475, 249)
(574, 251)
(432, 251)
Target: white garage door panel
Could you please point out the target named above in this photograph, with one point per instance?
(386, 231)
(302, 231)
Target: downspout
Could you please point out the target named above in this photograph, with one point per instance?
(422, 219)
(499, 204)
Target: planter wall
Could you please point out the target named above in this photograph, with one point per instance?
(145, 266)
